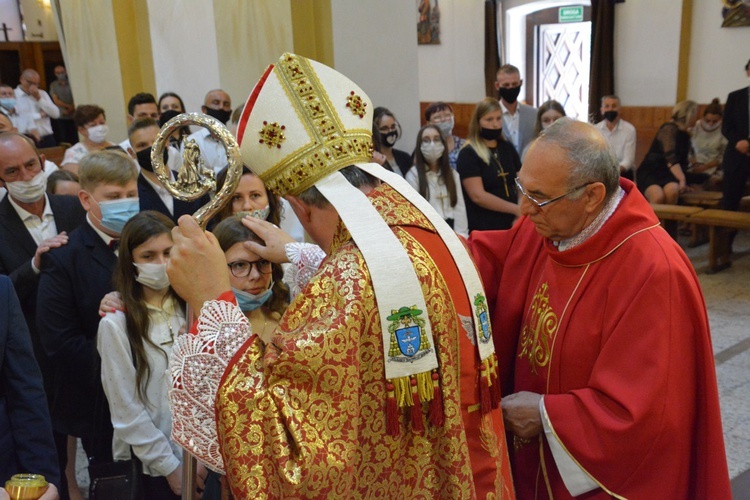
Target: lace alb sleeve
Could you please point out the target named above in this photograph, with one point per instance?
(305, 259)
(197, 363)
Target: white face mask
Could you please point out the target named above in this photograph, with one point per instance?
(432, 151)
(98, 133)
(710, 128)
(153, 276)
(28, 191)
(446, 127)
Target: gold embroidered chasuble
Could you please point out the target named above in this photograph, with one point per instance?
(307, 417)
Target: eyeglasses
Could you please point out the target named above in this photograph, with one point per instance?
(243, 268)
(540, 204)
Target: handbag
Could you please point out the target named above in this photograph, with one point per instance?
(119, 480)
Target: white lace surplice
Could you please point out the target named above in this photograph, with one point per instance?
(196, 366)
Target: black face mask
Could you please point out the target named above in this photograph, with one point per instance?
(610, 116)
(168, 115)
(510, 95)
(490, 134)
(144, 159)
(390, 138)
(220, 114)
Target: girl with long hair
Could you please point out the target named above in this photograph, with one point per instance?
(435, 180)
(135, 345)
(488, 165)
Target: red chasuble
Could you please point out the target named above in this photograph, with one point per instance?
(614, 333)
(307, 416)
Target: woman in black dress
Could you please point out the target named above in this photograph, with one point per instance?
(661, 176)
(488, 165)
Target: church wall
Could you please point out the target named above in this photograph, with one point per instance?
(375, 45)
(717, 55)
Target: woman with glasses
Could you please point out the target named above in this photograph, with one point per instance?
(433, 177)
(441, 115)
(389, 131)
(257, 283)
(488, 165)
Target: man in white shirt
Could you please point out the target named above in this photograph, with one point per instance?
(518, 119)
(34, 108)
(217, 104)
(619, 133)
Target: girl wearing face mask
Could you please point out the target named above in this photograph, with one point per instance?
(708, 148)
(256, 283)
(135, 345)
(92, 127)
(441, 115)
(389, 130)
(488, 165)
(548, 113)
(434, 178)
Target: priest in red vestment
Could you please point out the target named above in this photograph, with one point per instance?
(381, 379)
(602, 335)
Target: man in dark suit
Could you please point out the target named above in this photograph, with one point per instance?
(31, 223)
(151, 194)
(26, 443)
(736, 128)
(74, 279)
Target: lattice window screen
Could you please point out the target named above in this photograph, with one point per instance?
(563, 59)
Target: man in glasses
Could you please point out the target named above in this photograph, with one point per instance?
(609, 384)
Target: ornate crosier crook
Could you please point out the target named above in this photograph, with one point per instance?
(194, 179)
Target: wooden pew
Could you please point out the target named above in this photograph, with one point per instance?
(720, 223)
(671, 215)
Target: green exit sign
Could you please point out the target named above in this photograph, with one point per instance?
(572, 14)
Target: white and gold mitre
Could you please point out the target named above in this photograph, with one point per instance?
(303, 121)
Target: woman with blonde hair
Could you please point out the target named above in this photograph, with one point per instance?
(661, 176)
(488, 165)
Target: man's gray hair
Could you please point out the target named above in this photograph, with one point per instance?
(356, 177)
(589, 155)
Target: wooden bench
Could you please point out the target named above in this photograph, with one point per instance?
(705, 199)
(54, 154)
(671, 215)
(719, 223)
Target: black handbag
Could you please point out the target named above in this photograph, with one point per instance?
(119, 480)
(116, 480)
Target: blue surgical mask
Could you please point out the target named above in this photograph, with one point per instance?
(8, 102)
(250, 302)
(115, 213)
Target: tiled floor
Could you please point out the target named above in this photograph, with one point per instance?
(727, 296)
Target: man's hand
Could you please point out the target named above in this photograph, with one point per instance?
(34, 91)
(110, 303)
(34, 133)
(197, 268)
(743, 146)
(45, 246)
(275, 240)
(521, 414)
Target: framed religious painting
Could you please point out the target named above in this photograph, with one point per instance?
(735, 13)
(428, 23)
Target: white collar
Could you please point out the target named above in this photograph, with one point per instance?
(25, 214)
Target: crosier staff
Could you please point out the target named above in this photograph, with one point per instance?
(194, 180)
